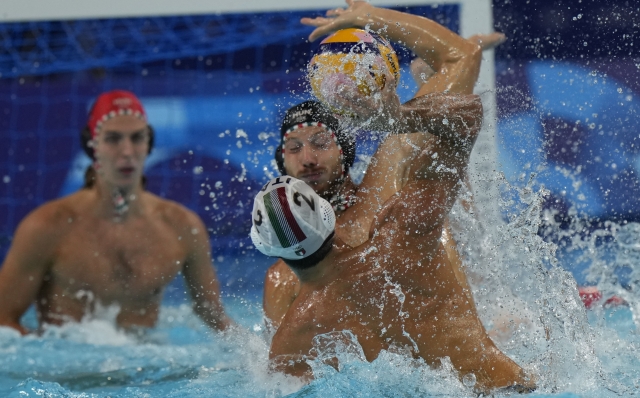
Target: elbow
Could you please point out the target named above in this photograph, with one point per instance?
(465, 65)
(473, 58)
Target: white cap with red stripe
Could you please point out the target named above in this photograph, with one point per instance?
(290, 220)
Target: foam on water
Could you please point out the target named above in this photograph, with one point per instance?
(182, 358)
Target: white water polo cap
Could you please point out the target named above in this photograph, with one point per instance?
(290, 220)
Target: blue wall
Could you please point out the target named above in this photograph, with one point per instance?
(215, 88)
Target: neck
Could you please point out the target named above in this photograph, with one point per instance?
(326, 269)
(117, 202)
(319, 272)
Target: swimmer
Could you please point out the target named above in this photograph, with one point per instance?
(317, 150)
(112, 243)
(395, 290)
(324, 163)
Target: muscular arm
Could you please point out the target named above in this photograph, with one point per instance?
(453, 117)
(433, 168)
(281, 287)
(454, 120)
(200, 277)
(25, 267)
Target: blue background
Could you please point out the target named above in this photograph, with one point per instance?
(215, 88)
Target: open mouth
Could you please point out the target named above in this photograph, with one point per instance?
(126, 170)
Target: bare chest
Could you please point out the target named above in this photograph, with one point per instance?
(364, 307)
(117, 262)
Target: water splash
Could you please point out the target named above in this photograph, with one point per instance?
(529, 304)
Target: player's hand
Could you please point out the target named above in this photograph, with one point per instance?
(488, 41)
(338, 18)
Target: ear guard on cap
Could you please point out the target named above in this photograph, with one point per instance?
(290, 220)
(280, 160)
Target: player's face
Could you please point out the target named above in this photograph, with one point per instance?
(312, 155)
(121, 148)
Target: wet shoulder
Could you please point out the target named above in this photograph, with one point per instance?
(57, 213)
(279, 272)
(51, 220)
(173, 214)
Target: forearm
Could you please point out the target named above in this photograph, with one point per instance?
(212, 313)
(427, 39)
(454, 117)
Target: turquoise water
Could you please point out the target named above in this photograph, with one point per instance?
(527, 301)
(181, 358)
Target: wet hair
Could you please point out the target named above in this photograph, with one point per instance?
(315, 258)
(314, 111)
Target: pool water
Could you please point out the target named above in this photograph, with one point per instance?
(527, 301)
(182, 358)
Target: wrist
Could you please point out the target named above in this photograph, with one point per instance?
(369, 17)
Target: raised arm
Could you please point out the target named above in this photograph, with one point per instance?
(456, 118)
(455, 60)
(447, 157)
(25, 267)
(200, 276)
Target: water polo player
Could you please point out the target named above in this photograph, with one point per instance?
(111, 243)
(396, 290)
(323, 166)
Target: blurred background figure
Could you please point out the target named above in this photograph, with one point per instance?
(112, 243)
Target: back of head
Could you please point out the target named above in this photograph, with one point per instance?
(292, 222)
(313, 113)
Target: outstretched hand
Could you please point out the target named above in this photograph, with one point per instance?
(338, 18)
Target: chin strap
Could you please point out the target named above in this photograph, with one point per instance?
(342, 202)
(120, 204)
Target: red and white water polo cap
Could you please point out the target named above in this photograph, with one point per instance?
(111, 104)
(290, 220)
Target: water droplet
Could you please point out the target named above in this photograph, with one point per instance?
(469, 380)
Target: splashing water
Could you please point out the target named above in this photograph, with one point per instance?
(528, 303)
